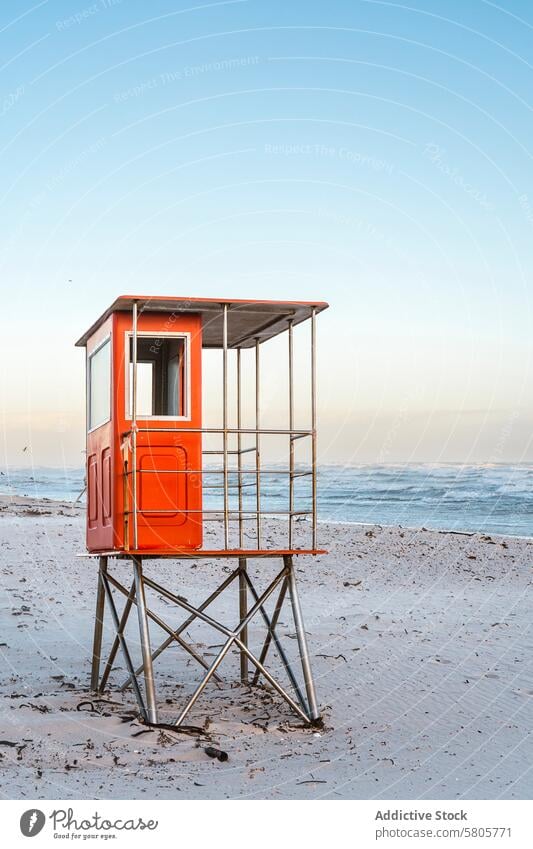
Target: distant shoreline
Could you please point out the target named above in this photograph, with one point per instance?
(31, 502)
(495, 498)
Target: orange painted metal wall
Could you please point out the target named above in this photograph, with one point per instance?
(177, 494)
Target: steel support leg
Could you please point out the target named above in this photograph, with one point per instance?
(302, 639)
(123, 643)
(272, 634)
(274, 622)
(249, 607)
(243, 610)
(98, 627)
(144, 633)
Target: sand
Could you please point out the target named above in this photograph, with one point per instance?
(421, 644)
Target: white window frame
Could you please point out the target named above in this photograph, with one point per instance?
(151, 334)
(98, 347)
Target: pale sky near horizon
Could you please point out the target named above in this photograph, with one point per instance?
(373, 154)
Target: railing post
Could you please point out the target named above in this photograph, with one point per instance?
(225, 421)
(313, 423)
(291, 428)
(257, 443)
(134, 429)
(239, 446)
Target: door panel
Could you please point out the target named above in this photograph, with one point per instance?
(174, 496)
(92, 491)
(165, 491)
(106, 486)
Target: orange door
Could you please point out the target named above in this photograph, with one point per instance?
(169, 491)
(169, 455)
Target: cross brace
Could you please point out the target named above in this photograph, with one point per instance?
(303, 703)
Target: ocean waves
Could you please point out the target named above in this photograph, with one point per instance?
(484, 498)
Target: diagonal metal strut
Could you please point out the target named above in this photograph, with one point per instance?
(305, 708)
(183, 626)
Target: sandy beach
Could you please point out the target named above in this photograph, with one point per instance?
(421, 644)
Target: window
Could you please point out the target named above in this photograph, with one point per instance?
(161, 377)
(100, 386)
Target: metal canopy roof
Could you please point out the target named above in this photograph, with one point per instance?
(247, 320)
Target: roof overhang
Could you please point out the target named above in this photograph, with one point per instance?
(248, 321)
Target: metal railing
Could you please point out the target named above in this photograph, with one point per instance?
(225, 512)
(239, 481)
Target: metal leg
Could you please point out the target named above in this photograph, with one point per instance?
(243, 610)
(268, 639)
(272, 681)
(149, 687)
(232, 637)
(302, 639)
(98, 627)
(123, 643)
(249, 607)
(116, 643)
(272, 634)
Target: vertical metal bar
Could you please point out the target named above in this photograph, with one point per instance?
(239, 447)
(274, 622)
(313, 423)
(163, 625)
(126, 497)
(257, 444)
(243, 610)
(291, 428)
(116, 643)
(134, 429)
(281, 651)
(243, 589)
(144, 633)
(98, 626)
(123, 644)
(225, 421)
(302, 639)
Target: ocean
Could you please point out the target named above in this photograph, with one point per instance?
(491, 498)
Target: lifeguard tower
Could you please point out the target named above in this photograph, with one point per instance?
(156, 477)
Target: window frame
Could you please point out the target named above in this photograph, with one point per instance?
(103, 342)
(150, 334)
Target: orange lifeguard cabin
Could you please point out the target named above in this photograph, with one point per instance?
(144, 412)
(148, 482)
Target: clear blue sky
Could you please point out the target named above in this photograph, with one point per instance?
(374, 154)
